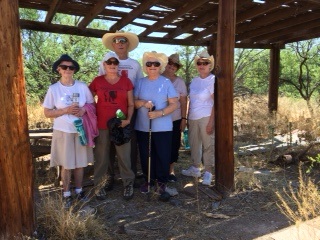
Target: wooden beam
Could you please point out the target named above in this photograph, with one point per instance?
(261, 9)
(16, 165)
(132, 15)
(279, 26)
(52, 11)
(224, 158)
(188, 6)
(274, 79)
(98, 8)
(279, 35)
(211, 15)
(270, 18)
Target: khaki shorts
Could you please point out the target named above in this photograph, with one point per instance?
(66, 151)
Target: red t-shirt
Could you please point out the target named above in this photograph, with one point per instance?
(111, 97)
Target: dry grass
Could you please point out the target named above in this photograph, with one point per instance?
(57, 223)
(36, 118)
(302, 203)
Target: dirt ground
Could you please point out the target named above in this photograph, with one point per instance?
(249, 212)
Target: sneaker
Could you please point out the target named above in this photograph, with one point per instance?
(172, 178)
(128, 191)
(101, 194)
(207, 178)
(109, 184)
(82, 197)
(67, 202)
(191, 172)
(171, 191)
(144, 188)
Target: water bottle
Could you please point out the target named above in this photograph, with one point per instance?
(78, 123)
(75, 98)
(120, 115)
(82, 134)
(185, 139)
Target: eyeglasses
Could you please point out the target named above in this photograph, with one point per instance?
(174, 64)
(65, 67)
(110, 62)
(203, 63)
(156, 64)
(120, 40)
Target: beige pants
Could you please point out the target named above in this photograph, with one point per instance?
(201, 143)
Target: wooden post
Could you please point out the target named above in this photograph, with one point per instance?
(16, 168)
(224, 156)
(274, 79)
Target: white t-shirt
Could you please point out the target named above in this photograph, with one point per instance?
(181, 88)
(201, 97)
(129, 67)
(60, 96)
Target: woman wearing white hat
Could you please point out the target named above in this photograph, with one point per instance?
(114, 92)
(179, 115)
(155, 90)
(122, 43)
(201, 119)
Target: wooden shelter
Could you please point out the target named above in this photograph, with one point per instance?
(219, 24)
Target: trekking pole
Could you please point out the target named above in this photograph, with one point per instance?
(149, 157)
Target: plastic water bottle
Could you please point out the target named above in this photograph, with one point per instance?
(82, 134)
(120, 115)
(186, 139)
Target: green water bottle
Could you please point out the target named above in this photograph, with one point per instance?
(120, 115)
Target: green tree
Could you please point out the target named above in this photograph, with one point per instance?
(42, 49)
(300, 69)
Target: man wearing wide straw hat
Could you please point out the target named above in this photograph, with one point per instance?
(122, 43)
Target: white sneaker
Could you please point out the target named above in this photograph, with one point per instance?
(207, 178)
(172, 191)
(191, 172)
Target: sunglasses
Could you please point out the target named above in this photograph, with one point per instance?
(156, 64)
(203, 63)
(174, 64)
(114, 62)
(65, 67)
(120, 40)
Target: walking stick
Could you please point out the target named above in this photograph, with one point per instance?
(149, 158)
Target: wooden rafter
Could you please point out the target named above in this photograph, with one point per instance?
(98, 8)
(133, 14)
(171, 17)
(52, 11)
(278, 26)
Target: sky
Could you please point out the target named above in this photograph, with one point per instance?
(148, 47)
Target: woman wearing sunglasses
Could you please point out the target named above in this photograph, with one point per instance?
(114, 92)
(201, 119)
(179, 115)
(66, 149)
(155, 100)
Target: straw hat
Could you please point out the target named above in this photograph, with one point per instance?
(132, 39)
(175, 58)
(65, 58)
(204, 55)
(161, 57)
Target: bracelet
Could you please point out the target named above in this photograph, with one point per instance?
(162, 113)
(184, 118)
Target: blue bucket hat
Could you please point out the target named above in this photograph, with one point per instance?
(67, 58)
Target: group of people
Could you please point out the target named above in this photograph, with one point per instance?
(156, 110)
